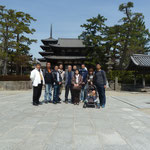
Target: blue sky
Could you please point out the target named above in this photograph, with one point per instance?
(67, 15)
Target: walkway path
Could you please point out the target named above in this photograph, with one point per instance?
(123, 125)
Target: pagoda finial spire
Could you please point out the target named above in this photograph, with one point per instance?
(51, 32)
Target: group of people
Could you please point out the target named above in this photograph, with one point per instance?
(76, 81)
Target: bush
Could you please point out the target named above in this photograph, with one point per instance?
(123, 76)
(127, 77)
(15, 78)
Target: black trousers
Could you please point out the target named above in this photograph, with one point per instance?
(67, 89)
(102, 96)
(37, 93)
(76, 95)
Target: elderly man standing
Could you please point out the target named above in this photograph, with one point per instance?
(37, 81)
(68, 87)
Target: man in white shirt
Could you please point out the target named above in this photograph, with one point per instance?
(37, 81)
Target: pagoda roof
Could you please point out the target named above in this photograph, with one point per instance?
(65, 57)
(139, 62)
(49, 39)
(45, 53)
(44, 47)
(42, 59)
(69, 43)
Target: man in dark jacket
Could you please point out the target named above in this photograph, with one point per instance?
(68, 78)
(57, 83)
(100, 82)
(47, 73)
(83, 73)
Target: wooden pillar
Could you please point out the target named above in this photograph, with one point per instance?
(134, 79)
(116, 83)
(143, 81)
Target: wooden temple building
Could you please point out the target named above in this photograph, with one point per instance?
(140, 64)
(66, 51)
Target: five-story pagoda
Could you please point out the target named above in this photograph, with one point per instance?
(68, 51)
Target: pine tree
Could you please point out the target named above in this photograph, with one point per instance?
(14, 40)
(93, 37)
(134, 37)
(119, 41)
(6, 35)
(22, 42)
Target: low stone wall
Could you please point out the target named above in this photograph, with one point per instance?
(15, 85)
(137, 88)
(113, 86)
(128, 87)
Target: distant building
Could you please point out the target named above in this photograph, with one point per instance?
(140, 64)
(68, 51)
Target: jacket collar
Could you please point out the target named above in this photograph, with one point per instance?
(37, 69)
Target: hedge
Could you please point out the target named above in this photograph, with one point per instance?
(15, 78)
(127, 77)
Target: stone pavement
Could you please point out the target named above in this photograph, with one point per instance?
(122, 125)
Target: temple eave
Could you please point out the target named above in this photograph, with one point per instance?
(66, 47)
(42, 59)
(139, 62)
(45, 53)
(66, 57)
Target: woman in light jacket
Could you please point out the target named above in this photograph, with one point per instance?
(37, 81)
(76, 88)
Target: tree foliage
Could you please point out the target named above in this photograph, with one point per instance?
(120, 41)
(14, 40)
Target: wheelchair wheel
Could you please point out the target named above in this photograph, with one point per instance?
(84, 106)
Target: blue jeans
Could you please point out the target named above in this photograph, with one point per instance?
(102, 96)
(83, 93)
(48, 92)
(56, 93)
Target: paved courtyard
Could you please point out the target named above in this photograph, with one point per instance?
(123, 125)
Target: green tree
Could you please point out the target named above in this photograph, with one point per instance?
(22, 42)
(14, 40)
(6, 35)
(133, 35)
(119, 41)
(94, 39)
(112, 44)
